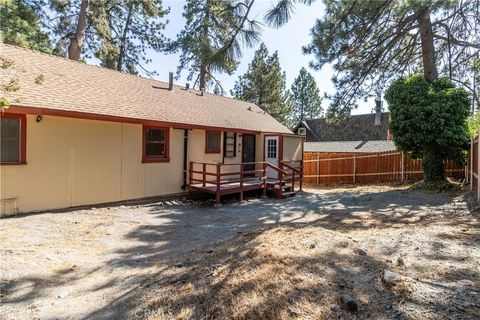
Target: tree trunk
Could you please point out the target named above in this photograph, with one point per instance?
(432, 162)
(428, 50)
(203, 78)
(121, 53)
(203, 65)
(75, 47)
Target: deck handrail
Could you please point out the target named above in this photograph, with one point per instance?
(294, 170)
(209, 176)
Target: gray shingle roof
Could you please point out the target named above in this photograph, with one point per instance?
(356, 128)
(350, 146)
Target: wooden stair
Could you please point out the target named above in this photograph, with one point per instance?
(280, 190)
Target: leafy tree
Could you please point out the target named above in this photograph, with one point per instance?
(429, 120)
(212, 38)
(372, 42)
(306, 97)
(117, 32)
(473, 125)
(264, 85)
(20, 25)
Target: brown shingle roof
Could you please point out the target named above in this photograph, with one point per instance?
(74, 86)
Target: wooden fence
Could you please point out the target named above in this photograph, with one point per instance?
(473, 165)
(335, 168)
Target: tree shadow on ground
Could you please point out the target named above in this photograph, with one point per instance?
(209, 264)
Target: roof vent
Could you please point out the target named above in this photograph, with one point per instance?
(187, 86)
(202, 91)
(170, 81)
(249, 108)
(302, 131)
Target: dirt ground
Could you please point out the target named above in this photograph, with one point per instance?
(259, 259)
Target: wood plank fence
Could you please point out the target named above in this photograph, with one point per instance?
(363, 168)
(473, 166)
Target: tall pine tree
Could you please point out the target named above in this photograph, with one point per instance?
(117, 32)
(212, 37)
(371, 42)
(264, 85)
(306, 97)
(21, 26)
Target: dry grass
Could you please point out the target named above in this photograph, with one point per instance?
(282, 273)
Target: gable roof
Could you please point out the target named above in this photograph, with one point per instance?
(355, 128)
(76, 87)
(350, 146)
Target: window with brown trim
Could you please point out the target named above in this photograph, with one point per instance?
(155, 144)
(229, 144)
(212, 142)
(12, 139)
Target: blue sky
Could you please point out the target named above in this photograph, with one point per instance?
(288, 41)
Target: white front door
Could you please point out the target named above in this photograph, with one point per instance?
(271, 155)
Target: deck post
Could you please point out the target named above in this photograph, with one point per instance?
(217, 193)
(264, 177)
(204, 172)
(301, 174)
(241, 181)
(190, 173)
(293, 180)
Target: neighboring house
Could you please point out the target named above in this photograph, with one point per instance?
(77, 134)
(358, 133)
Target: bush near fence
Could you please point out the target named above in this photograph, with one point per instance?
(363, 168)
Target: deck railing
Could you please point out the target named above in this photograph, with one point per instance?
(294, 173)
(225, 178)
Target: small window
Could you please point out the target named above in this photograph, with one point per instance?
(229, 144)
(212, 143)
(12, 138)
(272, 148)
(155, 144)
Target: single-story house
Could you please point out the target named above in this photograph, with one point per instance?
(77, 134)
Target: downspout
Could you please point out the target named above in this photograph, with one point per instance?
(185, 158)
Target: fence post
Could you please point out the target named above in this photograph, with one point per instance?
(478, 167)
(471, 163)
(354, 165)
(403, 167)
(318, 168)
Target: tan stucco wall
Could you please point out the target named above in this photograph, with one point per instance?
(292, 148)
(73, 162)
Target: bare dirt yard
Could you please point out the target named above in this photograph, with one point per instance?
(259, 259)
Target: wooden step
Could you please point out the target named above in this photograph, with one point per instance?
(286, 194)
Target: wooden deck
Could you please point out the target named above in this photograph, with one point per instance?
(223, 179)
(228, 187)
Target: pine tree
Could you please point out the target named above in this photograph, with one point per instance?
(21, 26)
(370, 43)
(212, 38)
(117, 32)
(264, 85)
(306, 97)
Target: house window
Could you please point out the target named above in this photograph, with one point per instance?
(155, 144)
(212, 143)
(229, 144)
(12, 139)
(272, 148)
